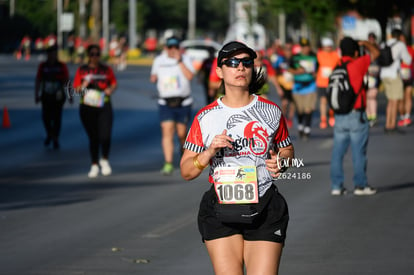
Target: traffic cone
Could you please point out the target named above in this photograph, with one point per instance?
(6, 118)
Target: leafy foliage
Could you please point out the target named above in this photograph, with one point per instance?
(41, 14)
(319, 15)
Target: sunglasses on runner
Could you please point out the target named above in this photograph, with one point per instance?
(172, 47)
(234, 62)
(94, 54)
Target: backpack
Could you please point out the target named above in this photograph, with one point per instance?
(385, 58)
(341, 95)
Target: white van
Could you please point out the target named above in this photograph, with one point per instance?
(254, 35)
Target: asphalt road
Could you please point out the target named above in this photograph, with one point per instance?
(54, 220)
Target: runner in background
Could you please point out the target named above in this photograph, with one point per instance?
(304, 67)
(123, 51)
(407, 76)
(52, 75)
(39, 46)
(262, 65)
(214, 81)
(24, 48)
(285, 80)
(96, 82)
(71, 47)
(80, 49)
(203, 75)
(172, 72)
(373, 85)
(327, 58)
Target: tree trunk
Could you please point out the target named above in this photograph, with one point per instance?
(97, 26)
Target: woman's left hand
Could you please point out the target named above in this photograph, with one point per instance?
(108, 91)
(272, 164)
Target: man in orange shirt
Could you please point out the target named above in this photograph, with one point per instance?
(327, 60)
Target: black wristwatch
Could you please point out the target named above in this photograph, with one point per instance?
(284, 168)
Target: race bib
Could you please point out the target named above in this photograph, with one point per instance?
(405, 73)
(326, 71)
(309, 66)
(288, 76)
(372, 82)
(94, 98)
(236, 185)
(169, 84)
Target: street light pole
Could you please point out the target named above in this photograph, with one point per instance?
(132, 24)
(59, 19)
(191, 18)
(105, 24)
(82, 18)
(12, 8)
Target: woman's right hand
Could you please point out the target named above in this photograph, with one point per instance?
(220, 141)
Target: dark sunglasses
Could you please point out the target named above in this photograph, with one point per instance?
(234, 62)
(172, 47)
(94, 54)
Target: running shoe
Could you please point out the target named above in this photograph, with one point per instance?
(93, 173)
(338, 192)
(372, 122)
(106, 169)
(323, 124)
(167, 169)
(404, 122)
(331, 121)
(366, 191)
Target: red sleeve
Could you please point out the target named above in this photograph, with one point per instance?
(282, 138)
(269, 68)
(213, 74)
(194, 140)
(77, 81)
(111, 76)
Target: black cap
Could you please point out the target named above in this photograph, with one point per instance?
(173, 41)
(232, 48)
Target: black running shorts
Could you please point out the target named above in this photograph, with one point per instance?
(271, 225)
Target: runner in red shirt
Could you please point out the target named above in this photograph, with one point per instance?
(95, 82)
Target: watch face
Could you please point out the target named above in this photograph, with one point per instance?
(283, 164)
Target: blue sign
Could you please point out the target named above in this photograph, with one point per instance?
(348, 23)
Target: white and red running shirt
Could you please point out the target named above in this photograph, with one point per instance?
(255, 128)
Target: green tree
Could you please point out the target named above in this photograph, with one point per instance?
(41, 15)
(319, 15)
